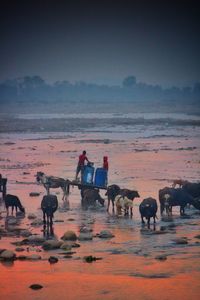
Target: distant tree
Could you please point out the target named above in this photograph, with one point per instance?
(129, 81)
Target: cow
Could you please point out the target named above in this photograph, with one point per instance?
(90, 196)
(176, 197)
(53, 182)
(112, 191)
(131, 195)
(49, 205)
(192, 188)
(148, 209)
(122, 203)
(14, 202)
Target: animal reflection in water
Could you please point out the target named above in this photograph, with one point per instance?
(54, 182)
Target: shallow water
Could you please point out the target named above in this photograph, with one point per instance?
(144, 158)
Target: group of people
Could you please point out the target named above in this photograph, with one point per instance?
(82, 161)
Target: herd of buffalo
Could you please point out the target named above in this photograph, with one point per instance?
(122, 199)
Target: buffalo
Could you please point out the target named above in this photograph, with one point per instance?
(192, 188)
(170, 197)
(14, 202)
(49, 205)
(148, 209)
(112, 191)
(90, 196)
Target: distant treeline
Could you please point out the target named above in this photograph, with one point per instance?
(35, 89)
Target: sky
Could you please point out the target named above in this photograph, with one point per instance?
(101, 41)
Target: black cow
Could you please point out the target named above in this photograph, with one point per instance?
(148, 209)
(112, 191)
(13, 201)
(90, 196)
(192, 188)
(49, 205)
(170, 197)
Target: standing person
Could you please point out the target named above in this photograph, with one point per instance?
(81, 164)
(105, 163)
(105, 167)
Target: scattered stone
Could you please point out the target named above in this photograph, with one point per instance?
(85, 236)
(180, 241)
(69, 235)
(105, 234)
(19, 249)
(35, 286)
(197, 236)
(34, 194)
(37, 222)
(34, 257)
(91, 258)
(67, 256)
(52, 244)
(85, 229)
(31, 216)
(22, 257)
(25, 233)
(7, 255)
(36, 239)
(12, 221)
(58, 221)
(53, 259)
(161, 257)
(66, 246)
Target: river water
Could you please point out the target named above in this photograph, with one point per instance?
(143, 157)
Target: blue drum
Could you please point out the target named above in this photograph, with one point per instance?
(101, 177)
(88, 174)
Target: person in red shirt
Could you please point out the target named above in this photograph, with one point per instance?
(105, 163)
(81, 164)
(105, 166)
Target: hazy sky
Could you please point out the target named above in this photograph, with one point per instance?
(101, 41)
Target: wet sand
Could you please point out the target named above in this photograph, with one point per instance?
(129, 268)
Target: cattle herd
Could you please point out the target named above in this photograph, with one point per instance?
(122, 199)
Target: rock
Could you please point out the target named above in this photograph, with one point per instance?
(58, 221)
(34, 257)
(180, 241)
(19, 249)
(12, 221)
(85, 229)
(75, 245)
(69, 235)
(37, 222)
(52, 244)
(105, 234)
(1, 250)
(31, 216)
(7, 255)
(53, 259)
(197, 236)
(21, 257)
(161, 257)
(35, 286)
(83, 236)
(34, 194)
(91, 258)
(66, 246)
(36, 239)
(25, 233)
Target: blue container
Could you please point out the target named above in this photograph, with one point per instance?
(88, 174)
(101, 177)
